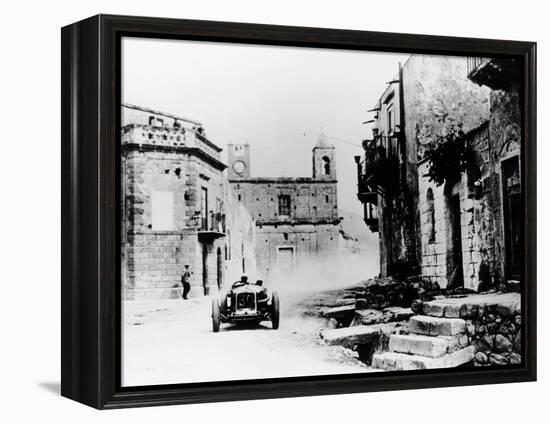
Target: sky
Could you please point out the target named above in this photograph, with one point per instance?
(277, 99)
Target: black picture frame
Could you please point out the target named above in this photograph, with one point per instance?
(91, 210)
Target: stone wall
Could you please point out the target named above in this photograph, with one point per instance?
(310, 200)
(497, 336)
(434, 93)
(155, 263)
(482, 231)
(161, 236)
(505, 141)
(436, 231)
(437, 94)
(240, 242)
(308, 241)
(492, 324)
(381, 293)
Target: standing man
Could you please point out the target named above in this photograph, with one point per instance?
(185, 282)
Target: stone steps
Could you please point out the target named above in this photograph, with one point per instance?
(394, 361)
(433, 347)
(350, 337)
(433, 342)
(506, 304)
(436, 326)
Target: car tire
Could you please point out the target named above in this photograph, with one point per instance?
(215, 315)
(275, 310)
(223, 305)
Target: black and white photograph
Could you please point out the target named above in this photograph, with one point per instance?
(275, 212)
(298, 212)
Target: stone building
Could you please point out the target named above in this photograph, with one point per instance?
(296, 218)
(178, 209)
(440, 177)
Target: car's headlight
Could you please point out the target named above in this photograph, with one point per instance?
(228, 301)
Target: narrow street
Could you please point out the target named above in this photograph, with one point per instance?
(171, 341)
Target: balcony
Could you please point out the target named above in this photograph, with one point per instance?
(365, 192)
(370, 216)
(496, 73)
(379, 173)
(212, 226)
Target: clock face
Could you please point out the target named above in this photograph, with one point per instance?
(238, 167)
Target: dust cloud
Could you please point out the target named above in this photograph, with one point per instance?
(335, 272)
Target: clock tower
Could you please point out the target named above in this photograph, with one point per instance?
(238, 157)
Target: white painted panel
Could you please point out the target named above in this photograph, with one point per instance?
(162, 215)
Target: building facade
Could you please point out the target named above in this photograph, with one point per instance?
(440, 176)
(296, 218)
(177, 209)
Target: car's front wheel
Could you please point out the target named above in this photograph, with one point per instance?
(275, 310)
(215, 315)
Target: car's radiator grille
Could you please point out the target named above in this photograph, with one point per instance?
(246, 300)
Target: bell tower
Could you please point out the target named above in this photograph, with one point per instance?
(238, 158)
(324, 160)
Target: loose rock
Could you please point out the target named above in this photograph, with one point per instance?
(497, 359)
(481, 357)
(502, 344)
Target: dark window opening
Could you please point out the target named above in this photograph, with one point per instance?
(284, 205)
(326, 165)
(391, 122)
(285, 235)
(431, 215)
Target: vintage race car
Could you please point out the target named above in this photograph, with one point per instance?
(246, 302)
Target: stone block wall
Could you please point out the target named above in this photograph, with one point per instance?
(155, 264)
(240, 242)
(308, 241)
(497, 337)
(434, 93)
(436, 251)
(482, 226)
(310, 200)
(153, 255)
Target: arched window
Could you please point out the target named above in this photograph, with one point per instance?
(326, 165)
(431, 215)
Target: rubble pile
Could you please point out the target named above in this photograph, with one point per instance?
(380, 293)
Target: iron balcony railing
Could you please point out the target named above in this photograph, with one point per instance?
(473, 63)
(379, 173)
(213, 222)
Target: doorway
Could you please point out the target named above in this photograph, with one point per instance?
(205, 269)
(512, 210)
(285, 259)
(204, 208)
(220, 268)
(455, 271)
